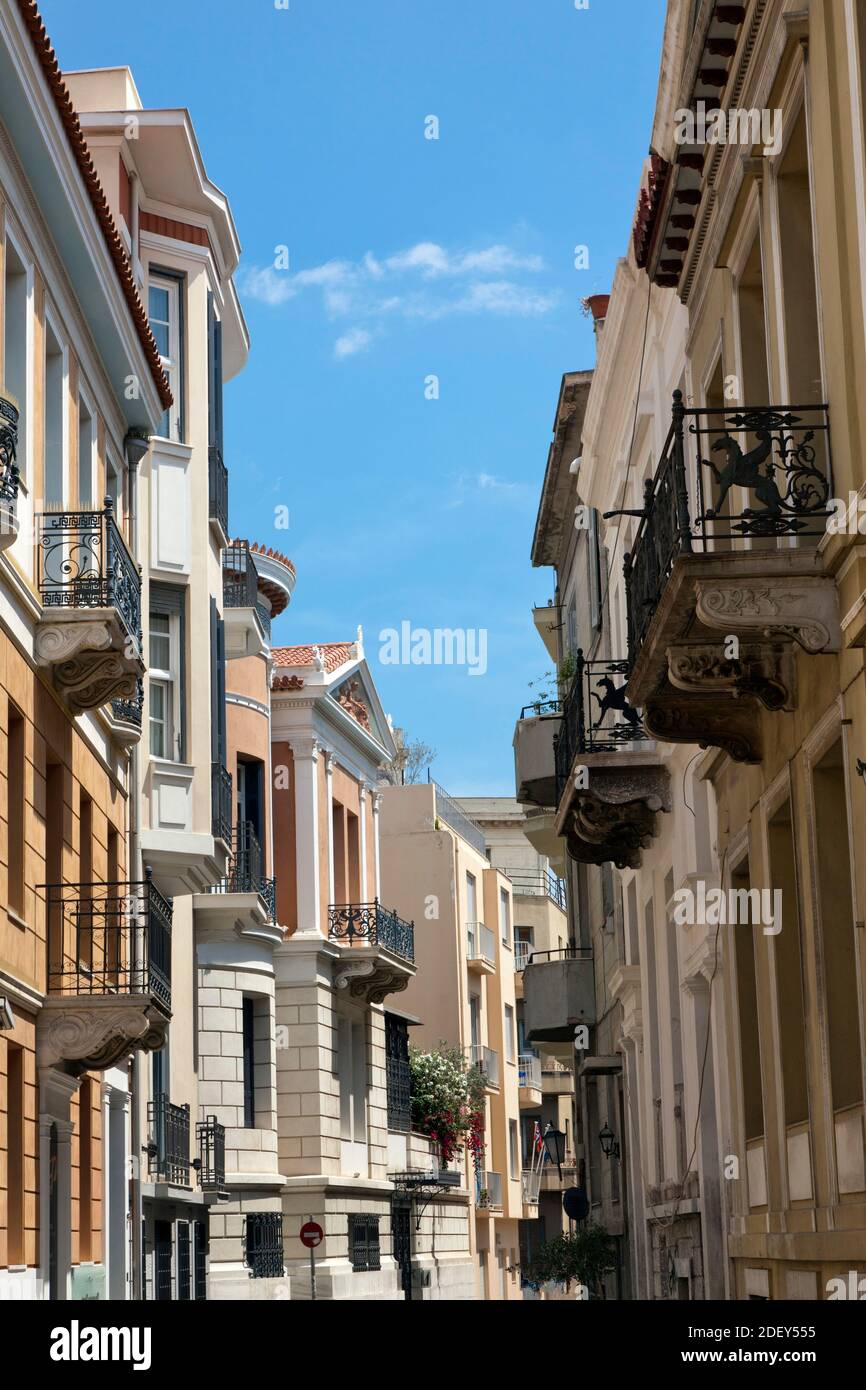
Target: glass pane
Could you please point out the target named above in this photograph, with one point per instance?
(160, 642)
(157, 303)
(160, 333)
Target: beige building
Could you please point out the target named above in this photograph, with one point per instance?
(435, 865)
(395, 1226)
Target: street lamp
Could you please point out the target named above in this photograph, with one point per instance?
(609, 1143)
(554, 1142)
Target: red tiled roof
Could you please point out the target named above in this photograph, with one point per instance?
(278, 598)
(336, 654)
(272, 554)
(51, 68)
(648, 209)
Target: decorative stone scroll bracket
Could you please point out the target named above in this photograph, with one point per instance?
(709, 720)
(92, 656)
(614, 819)
(763, 670)
(795, 609)
(371, 979)
(91, 1036)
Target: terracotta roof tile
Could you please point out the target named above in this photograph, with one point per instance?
(336, 654)
(62, 100)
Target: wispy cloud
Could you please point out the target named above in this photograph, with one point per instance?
(425, 281)
(356, 340)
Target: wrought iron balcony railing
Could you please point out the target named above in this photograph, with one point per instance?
(109, 939)
(130, 710)
(371, 923)
(541, 707)
(221, 803)
(610, 724)
(543, 883)
(218, 488)
(246, 866)
(263, 1244)
(211, 1138)
(240, 577)
(8, 450)
(773, 483)
(84, 563)
(168, 1141)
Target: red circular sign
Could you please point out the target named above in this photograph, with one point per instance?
(311, 1235)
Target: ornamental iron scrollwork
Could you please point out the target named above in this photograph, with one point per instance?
(8, 450)
(596, 716)
(370, 923)
(84, 563)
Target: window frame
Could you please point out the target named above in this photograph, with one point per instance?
(169, 601)
(24, 457)
(173, 282)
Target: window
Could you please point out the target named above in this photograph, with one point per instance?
(15, 1149)
(86, 456)
(166, 674)
(505, 916)
(214, 376)
(249, 1045)
(471, 899)
(15, 343)
(164, 308)
(352, 1065)
(509, 1033)
(513, 1149)
(15, 809)
(397, 1073)
(364, 1243)
(593, 560)
(263, 1244)
(53, 415)
(183, 1262)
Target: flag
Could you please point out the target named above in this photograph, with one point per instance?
(537, 1141)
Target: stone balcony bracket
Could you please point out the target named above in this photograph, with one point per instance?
(614, 818)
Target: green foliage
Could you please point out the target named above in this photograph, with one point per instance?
(582, 1257)
(447, 1100)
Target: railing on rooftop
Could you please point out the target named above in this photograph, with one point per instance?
(448, 810)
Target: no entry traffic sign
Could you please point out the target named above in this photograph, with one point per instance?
(311, 1235)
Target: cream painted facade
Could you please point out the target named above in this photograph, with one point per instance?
(435, 865)
(737, 619)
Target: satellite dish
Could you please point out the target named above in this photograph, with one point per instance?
(575, 1203)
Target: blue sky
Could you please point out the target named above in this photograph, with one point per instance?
(408, 258)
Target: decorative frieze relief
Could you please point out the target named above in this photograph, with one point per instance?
(800, 610)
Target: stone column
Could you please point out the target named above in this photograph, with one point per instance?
(56, 1090)
(116, 1188)
(305, 751)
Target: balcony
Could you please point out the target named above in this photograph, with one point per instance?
(726, 550)
(244, 895)
(610, 784)
(480, 949)
(534, 768)
(211, 1138)
(109, 973)
(90, 633)
(124, 716)
(168, 1142)
(221, 803)
(542, 884)
(380, 955)
(530, 1182)
(8, 470)
(218, 496)
(487, 1062)
(488, 1192)
(528, 1081)
(522, 952)
(243, 614)
(558, 994)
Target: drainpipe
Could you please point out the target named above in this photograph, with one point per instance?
(136, 447)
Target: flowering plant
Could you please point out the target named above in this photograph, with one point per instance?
(448, 1101)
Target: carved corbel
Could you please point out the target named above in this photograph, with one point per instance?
(765, 671)
(711, 721)
(805, 611)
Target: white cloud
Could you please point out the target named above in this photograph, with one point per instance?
(424, 281)
(356, 340)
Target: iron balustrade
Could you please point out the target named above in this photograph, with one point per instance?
(397, 1074)
(221, 803)
(373, 924)
(538, 883)
(109, 939)
(245, 871)
(218, 488)
(480, 943)
(263, 1244)
(168, 1141)
(130, 711)
(84, 563)
(448, 810)
(541, 707)
(559, 953)
(529, 1070)
(9, 472)
(211, 1140)
(609, 724)
(779, 453)
(240, 577)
